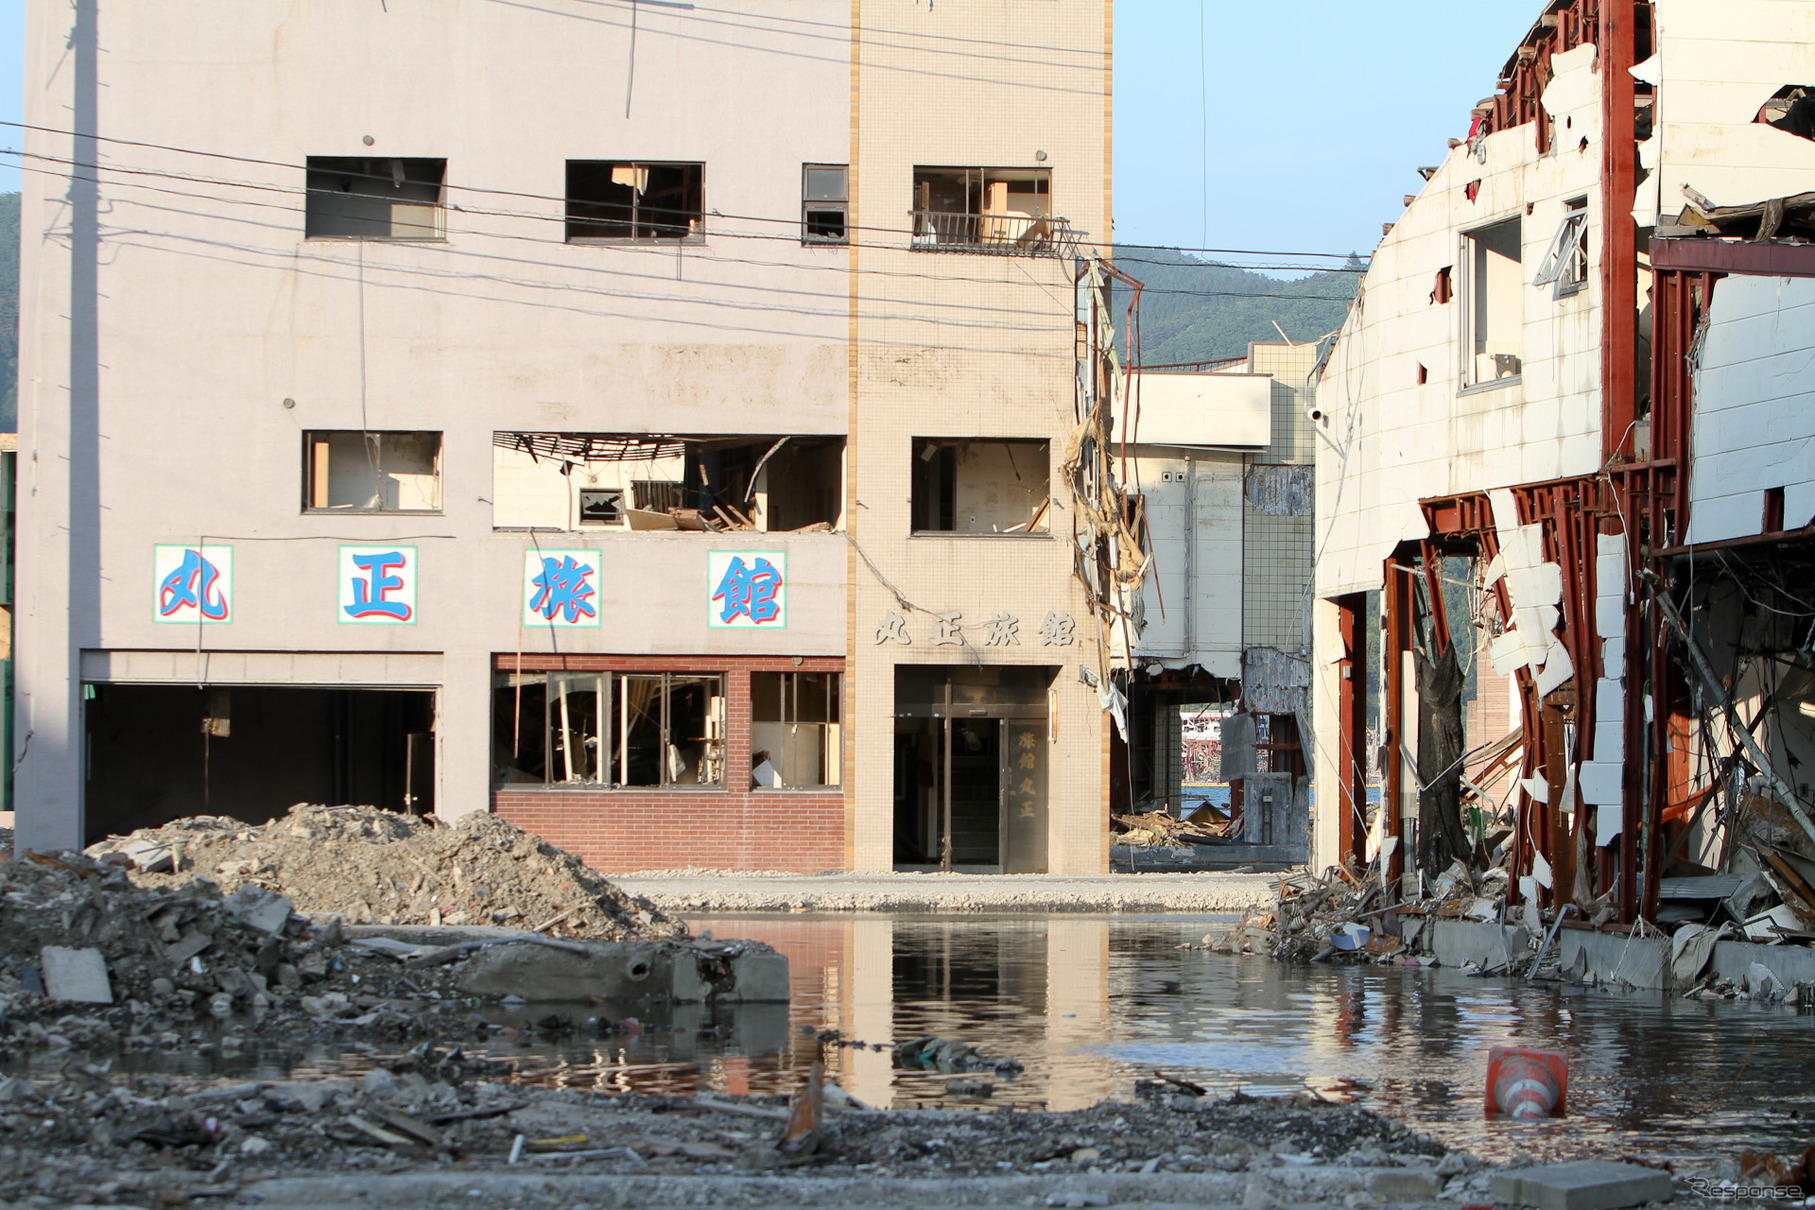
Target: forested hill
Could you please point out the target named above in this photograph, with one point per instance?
(9, 312)
(1197, 310)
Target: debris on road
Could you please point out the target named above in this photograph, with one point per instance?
(91, 1135)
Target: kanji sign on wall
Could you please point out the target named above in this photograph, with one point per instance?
(193, 584)
(561, 587)
(749, 589)
(377, 585)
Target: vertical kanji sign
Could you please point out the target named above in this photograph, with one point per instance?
(749, 589)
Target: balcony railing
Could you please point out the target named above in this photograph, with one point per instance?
(996, 234)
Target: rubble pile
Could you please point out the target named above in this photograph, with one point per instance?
(90, 961)
(1206, 825)
(157, 1141)
(376, 867)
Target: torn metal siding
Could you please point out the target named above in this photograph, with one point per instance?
(1275, 682)
(1717, 62)
(1753, 427)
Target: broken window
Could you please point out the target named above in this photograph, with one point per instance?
(1565, 265)
(795, 736)
(620, 200)
(350, 197)
(608, 729)
(825, 203)
(563, 481)
(356, 471)
(1494, 319)
(979, 485)
(985, 210)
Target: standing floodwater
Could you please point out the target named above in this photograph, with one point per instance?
(1091, 1004)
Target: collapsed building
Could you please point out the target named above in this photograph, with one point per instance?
(1566, 479)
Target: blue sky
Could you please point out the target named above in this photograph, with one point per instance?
(1320, 112)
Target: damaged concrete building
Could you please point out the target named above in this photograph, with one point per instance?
(685, 432)
(1566, 474)
(1219, 467)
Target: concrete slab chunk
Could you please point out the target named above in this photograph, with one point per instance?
(1584, 1185)
(79, 976)
(263, 910)
(1405, 1184)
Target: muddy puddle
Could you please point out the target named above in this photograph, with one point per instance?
(1091, 1004)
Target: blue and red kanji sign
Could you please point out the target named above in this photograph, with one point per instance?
(561, 587)
(377, 585)
(194, 584)
(749, 589)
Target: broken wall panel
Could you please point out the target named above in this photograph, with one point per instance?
(1719, 62)
(1753, 429)
(1190, 607)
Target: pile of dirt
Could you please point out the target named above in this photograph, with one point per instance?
(376, 867)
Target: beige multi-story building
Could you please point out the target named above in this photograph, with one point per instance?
(661, 425)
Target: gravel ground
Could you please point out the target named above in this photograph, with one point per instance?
(412, 1136)
(694, 891)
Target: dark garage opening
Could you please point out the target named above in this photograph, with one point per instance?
(160, 752)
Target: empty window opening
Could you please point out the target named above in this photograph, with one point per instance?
(1424, 375)
(1565, 265)
(373, 198)
(620, 200)
(162, 752)
(975, 485)
(608, 729)
(366, 472)
(795, 734)
(1493, 320)
(825, 204)
(986, 210)
(1773, 518)
(568, 481)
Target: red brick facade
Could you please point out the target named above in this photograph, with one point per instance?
(647, 829)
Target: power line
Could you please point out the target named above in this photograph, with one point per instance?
(792, 221)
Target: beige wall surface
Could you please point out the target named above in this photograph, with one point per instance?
(963, 344)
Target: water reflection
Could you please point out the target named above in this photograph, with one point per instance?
(1090, 1004)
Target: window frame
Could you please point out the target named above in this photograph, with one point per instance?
(612, 705)
(944, 450)
(696, 219)
(319, 165)
(1470, 257)
(317, 472)
(1566, 267)
(790, 706)
(809, 204)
